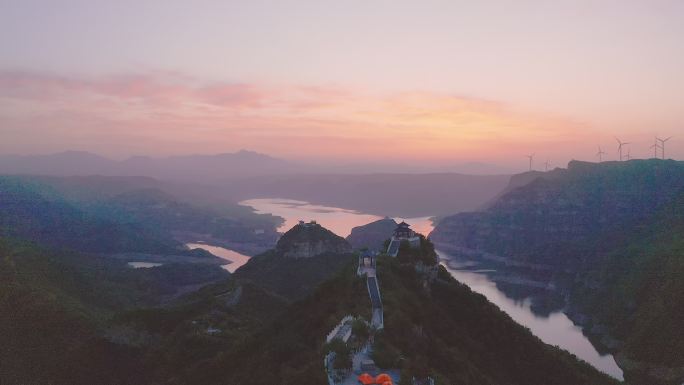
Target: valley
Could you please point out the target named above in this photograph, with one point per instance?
(218, 277)
(553, 328)
(303, 192)
(605, 238)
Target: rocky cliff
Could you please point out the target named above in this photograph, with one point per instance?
(305, 256)
(611, 235)
(565, 205)
(372, 235)
(307, 240)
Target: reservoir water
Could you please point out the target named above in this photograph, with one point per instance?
(339, 221)
(143, 265)
(554, 329)
(236, 259)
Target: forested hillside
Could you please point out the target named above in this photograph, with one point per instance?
(611, 234)
(443, 329)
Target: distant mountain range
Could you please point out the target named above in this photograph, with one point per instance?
(402, 195)
(209, 167)
(186, 168)
(232, 177)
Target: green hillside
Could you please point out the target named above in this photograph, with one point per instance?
(443, 329)
(611, 235)
(56, 307)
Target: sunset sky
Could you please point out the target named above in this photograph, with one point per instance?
(432, 82)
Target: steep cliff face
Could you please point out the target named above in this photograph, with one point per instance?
(307, 240)
(611, 234)
(372, 235)
(577, 204)
(305, 256)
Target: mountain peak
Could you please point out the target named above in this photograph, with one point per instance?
(306, 240)
(372, 235)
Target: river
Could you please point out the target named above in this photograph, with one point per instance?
(339, 221)
(554, 329)
(236, 259)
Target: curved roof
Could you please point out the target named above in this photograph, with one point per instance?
(382, 378)
(366, 379)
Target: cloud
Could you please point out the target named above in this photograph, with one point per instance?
(164, 113)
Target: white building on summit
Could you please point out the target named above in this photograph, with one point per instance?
(403, 232)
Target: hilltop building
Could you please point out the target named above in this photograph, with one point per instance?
(402, 233)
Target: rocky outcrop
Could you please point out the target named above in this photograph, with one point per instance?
(372, 235)
(307, 240)
(564, 205)
(610, 235)
(305, 256)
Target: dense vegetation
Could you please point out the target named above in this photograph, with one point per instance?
(445, 330)
(290, 350)
(292, 278)
(95, 215)
(57, 305)
(612, 235)
(159, 210)
(442, 329)
(28, 211)
(287, 273)
(75, 317)
(424, 254)
(641, 295)
(584, 203)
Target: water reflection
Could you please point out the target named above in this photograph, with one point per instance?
(236, 259)
(338, 220)
(554, 329)
(143, 265)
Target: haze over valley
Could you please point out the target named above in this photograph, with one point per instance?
(353, 193)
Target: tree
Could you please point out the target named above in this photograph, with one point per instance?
(360, 329)
(343, 359)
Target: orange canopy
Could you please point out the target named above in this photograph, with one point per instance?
(382, 378)
(366, 379)
(387, 383)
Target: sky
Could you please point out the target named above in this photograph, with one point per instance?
(424, 82)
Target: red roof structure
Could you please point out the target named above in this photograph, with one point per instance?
(366, 379)
(383, 378)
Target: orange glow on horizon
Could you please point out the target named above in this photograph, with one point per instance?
(171, 115)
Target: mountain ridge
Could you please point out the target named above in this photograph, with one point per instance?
(607, 236)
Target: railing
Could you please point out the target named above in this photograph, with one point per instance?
(333, 333)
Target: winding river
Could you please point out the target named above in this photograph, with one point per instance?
(554, 329)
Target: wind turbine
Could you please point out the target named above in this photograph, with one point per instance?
(600, 154)
(662, 144)
(629, 156)
(530, 157)
(547, 164)
(620, 144)
(655, 148)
